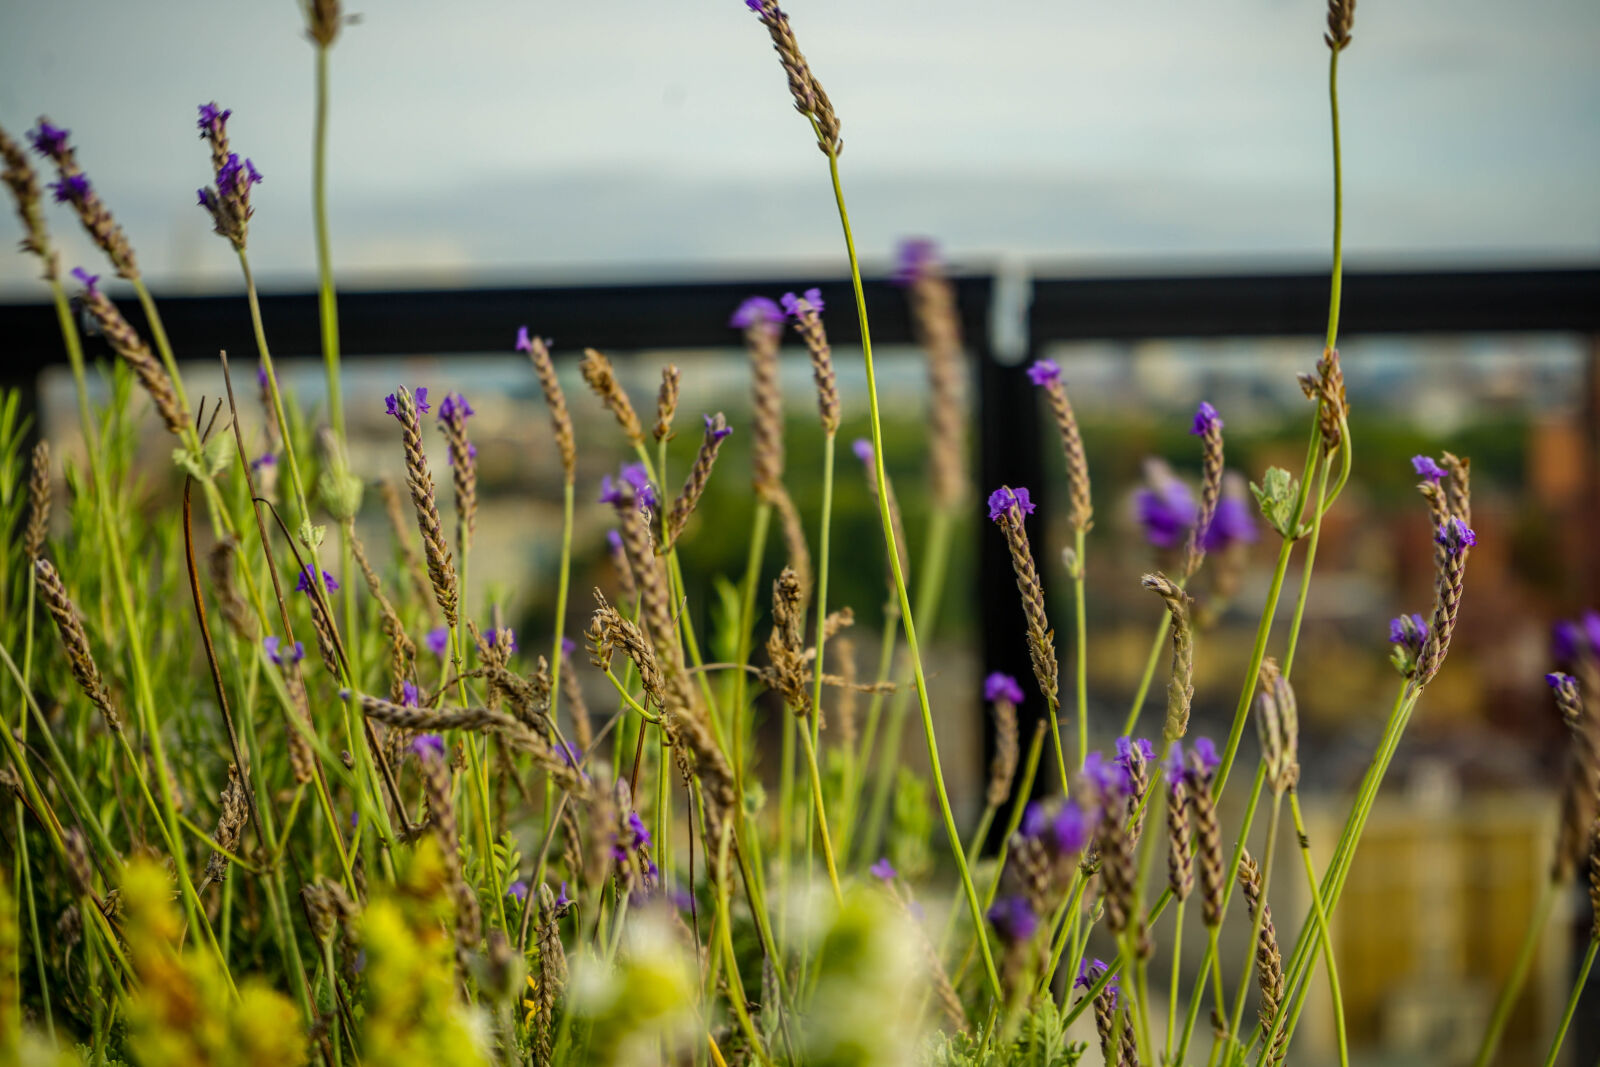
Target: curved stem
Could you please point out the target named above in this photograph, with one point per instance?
(1336, 285)
(956, 850)
(822, 813)
(1324, 934)
(1572, 1001)
(1519, 974)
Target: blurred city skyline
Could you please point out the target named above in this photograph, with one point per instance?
(541, 142)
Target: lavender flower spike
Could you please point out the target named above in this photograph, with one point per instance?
(1044, 371)
(1455, 537)
(1001, 686)
(1005, 498)
(883, 869)
(1427, 468)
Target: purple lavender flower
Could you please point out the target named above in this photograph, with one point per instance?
(1172, 766)
(563, 900)
(570, 753)
(915, 258)
(567, 646)
(1410, 632)
(278, 654)
(614, 540)
(212, 119)
(391, 403)
(73, 188)
(452, 405)
(437, 640)
(1203, 753)
(1234, 523)
(1165, 511)
(1559, 680)
(1089, 973)
(645, 493)
(1206, 420)
(87, 280)
(408, 694)
(49, 140)
(307, 577)
(266, 459)
(472, 454)
(236, 177)
(1005, 498)
(1013, 919)
(1067, 832)
(492, 636)
(1125, 749)
(883, 870)
(641, 835)
(1108, 777)
(716, 434)
(862, 447)
(261, 375)
(428, 746)
(1564, 640)
(518, 891)
(1044, 371)
(1455, 536)
(1001, 686)
(1427, 468)
(1591, 631)
(756, 311)
(791, 304)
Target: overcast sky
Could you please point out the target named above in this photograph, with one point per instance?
(510, 140)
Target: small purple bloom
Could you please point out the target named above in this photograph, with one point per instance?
(563, 900)
(1206, 420)
(472, 454)
(1564, 639)
(1089, 973)
(567, 646)
(643, 492)
(915, 258)
(1234, 523)
(1125, 749)
(1003, 499)
(614, 540)
(1001, 686)
(236, 176)
(74, 188)
(518, 891)
(791, 303)
(883, 870)
(213, 118)
(1203, 754)
(1427, 468)
(862, 447)
(278, 654)
(641, 835)
(1556, 679)
(1455, 536)
(610, 492)
(681, 898)
(1566, 689)
(715, 433)
(570, 753)
(437, 640)
(428, 746)
(408, 694)
(266, 459)
(1591, 631)
(1408, 631)
(493, 637)
(307, 577)
(87, 280)
(1013, 919)
(1165, 511)
(753, 5)
(756, 310)
(1068, 831)
(49, 140)
(261, 376)
(422, 398)
(1172, 766)
(1044, 372)
(1109, 777)
(452, 405)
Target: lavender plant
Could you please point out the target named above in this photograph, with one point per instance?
(423, 845)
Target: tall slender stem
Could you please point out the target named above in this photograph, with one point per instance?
(1519, 974)
(327, 300)
(956, 850)
(1324, 933)
(1082, 639)
(1572, 1001)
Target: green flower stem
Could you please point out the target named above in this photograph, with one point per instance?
(1572, 1001)
(563, 584)
(1172, 993)
(1071, 1016)
(1305, 571)
(1162, 629)
(930, 588)
(327, 300)
(822, 629)
(1507, 1000)
(1336, 286)
(747, 613)
(822, 813)
(22, 872)
(956, 851)
(1324, 933)
(1082, 638)
(869, 734)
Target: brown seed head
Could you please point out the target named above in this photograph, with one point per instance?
(419, 480)
(23, 182)
(1326, 387)
(700, 474)
(1003, 768)
(74, 188)
(1210, 492)
(667, 402)
(1278, 727)
(323, 21)
(809, 98)
(602, 379)
(1041, 639)
(127, 344)
(75, 641)
(766, 414)
(38, 529)
(1180, 687)
(807, 314)
(1341, 19)
(554, 399)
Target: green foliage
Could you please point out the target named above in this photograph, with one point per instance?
(911, 824)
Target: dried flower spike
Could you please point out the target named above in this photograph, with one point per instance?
(1278, 727)
(1333, 407)
(1003, 694)
(1269, 960)
(602, 378)
(561, 419)
(75, 641)
(762, 322)
(453, 413)
(126, 343)
(72, 187)
(38, 528)
(1341, 19)
(1180, 688)
(419, 479)
(1046, 374)
(937, 326)
(20, 177)
(1208, 427)
(807, 314)
(667, 402)
(809, 99)
(1007, 508)
(695, 485)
